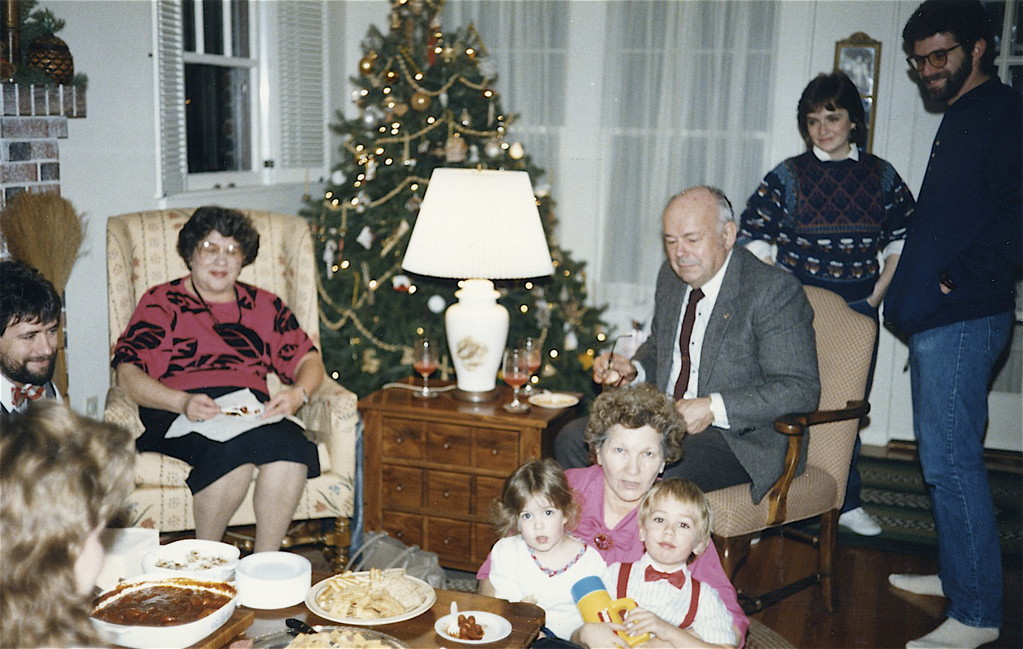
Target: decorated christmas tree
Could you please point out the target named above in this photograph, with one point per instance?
(428, 99)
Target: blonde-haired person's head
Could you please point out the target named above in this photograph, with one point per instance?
(62, 477)
(681, 491)
(541, 479)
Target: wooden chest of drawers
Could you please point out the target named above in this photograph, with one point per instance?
(434, 467)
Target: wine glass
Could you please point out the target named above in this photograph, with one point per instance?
(516, 372)
(533, 350)
(424, 361)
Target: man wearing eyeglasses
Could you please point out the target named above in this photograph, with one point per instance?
(952, 295)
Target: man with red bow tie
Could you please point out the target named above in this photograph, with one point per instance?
(674, 525)
(29, 315)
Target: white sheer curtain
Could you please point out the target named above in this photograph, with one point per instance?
(527, 43)
(681, 96)
(691, 84)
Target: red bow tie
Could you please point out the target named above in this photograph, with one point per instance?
(676, 579)
(29, 392)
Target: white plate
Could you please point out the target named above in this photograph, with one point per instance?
(553, 400)
(427, 589)
(494, 626)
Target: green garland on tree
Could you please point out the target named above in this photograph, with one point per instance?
(427, 99)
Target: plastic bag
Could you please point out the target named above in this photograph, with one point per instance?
(381, 551)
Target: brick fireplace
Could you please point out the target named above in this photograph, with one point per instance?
(32, 119)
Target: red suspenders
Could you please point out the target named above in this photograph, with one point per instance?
(694, 600)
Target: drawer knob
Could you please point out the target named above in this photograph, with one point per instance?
(399, 439)
(447, 541)
(447, 446)
(447, 493)
(399, 534)
(399, 487)
(493, 451)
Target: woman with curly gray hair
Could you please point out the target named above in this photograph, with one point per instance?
(62, 477)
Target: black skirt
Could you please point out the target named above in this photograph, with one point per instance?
(210, 460)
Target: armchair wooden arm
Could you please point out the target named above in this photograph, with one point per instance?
(796, 425)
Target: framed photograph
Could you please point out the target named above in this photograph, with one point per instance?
(859, 57)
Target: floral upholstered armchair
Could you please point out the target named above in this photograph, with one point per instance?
(141, 252)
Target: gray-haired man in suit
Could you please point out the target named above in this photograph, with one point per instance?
(750, 346)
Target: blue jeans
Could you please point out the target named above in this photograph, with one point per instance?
(950, 369)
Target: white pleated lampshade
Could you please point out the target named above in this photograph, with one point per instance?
(478, 223)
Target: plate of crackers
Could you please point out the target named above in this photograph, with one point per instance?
(370, 598)
(329, 636)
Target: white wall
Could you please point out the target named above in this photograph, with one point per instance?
(109, 159)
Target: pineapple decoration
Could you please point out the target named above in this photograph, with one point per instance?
(45, 51)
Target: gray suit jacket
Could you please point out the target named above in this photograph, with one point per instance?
(759, 353)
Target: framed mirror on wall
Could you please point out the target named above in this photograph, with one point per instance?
(859, 57)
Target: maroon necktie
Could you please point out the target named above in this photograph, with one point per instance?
(29, 393)
(683, 342)
(676, 579)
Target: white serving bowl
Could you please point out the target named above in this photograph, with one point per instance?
(193, 558)
(272, 580)
(175, 636)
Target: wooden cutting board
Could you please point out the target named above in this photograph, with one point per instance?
(239, 621)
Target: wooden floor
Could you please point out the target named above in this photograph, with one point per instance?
(868, 611)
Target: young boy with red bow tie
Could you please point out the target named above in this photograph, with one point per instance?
(674, 525)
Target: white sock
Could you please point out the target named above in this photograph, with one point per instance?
(918, 584)
(953, 634)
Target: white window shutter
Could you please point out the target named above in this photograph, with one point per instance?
(301, 68)
(170, 70)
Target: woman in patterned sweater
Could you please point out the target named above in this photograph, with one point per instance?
(836, 217)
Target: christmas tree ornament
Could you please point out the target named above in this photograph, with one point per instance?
(329, 255)
(436, 304)
(400, 108)
(370, 361)
(338, 177)
(420, 101)
(365, 237)
(455, 149)
(443, 98)
(414, 203)
(515, 151)
(371, 169)
(465, 119)
(423, 146)
(367, 63)
(571, 339)
(474, 154)
(401, 283)
(492, 148)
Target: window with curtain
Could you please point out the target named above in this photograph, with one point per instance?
(688, 102)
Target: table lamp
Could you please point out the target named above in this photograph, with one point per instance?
(477, 225)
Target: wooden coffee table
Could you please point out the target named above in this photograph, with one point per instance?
(526, 620)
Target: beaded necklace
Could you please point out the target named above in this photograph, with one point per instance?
(550, 572)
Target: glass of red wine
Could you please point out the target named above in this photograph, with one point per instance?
(516, 373)
(424, 361)
(531, 347)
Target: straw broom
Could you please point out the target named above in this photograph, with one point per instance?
(45, 232)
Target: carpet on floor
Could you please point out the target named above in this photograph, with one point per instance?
(894, 494)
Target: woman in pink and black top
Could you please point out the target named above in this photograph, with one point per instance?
(205, 335)
(632, 433)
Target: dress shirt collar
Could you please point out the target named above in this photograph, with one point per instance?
(854, 154)
(713, 285)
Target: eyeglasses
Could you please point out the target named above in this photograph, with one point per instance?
(937, 59)
(210, 250)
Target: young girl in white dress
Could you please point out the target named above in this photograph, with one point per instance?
(540, 561)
